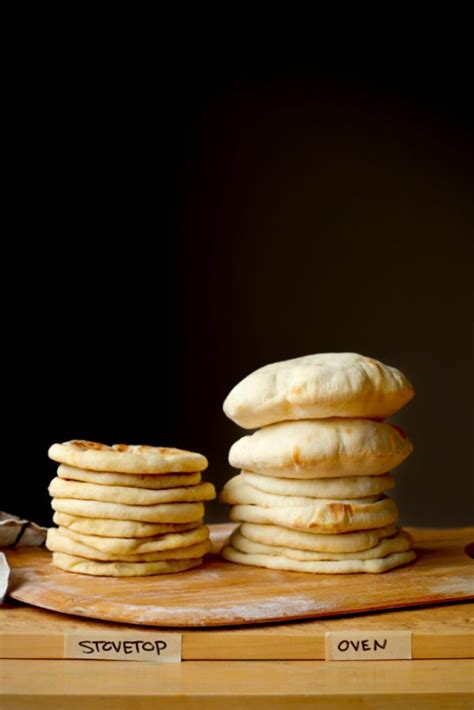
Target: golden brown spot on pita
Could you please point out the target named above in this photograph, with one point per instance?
(339, 510)
(145, 448)
(297, 390)
(297, 455)
(83, 444)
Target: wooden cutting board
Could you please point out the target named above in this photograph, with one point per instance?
(222, 593)
(445, 631)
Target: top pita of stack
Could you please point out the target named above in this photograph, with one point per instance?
(317, 387)
(125, 458)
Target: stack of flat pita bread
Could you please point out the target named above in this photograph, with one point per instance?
(311, 493)
(127, 511)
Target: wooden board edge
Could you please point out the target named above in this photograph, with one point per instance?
(233, 646)
(221, 623)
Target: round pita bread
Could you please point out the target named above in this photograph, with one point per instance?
(139, 546)
(237, 492)
(350, 487)
(316, 542)
(56, 542)
(166, 513)
(329, 448)
(79, 565)
(319, 567)
(387, 546)
(325, 517)
(317, 387)
(119, 528)
(138, 480)
(60, 488)
(124, 458)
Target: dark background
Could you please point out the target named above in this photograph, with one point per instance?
(192, 216)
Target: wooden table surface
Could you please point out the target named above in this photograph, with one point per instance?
(426, 682)
(442, 632)
(118, 685)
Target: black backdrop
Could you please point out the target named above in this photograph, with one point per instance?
(190, 218)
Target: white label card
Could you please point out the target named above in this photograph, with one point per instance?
(127, 646)
(367, 645)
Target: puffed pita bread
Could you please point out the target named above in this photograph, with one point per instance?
(326, 448)
(349, 487)
(79, 565)
(166, 513)
(125, 458)
(56, 542)
(237, 492)
(119, 528)
(60, 488)
(387, 546)
(322, 567)
(145, 480)
(335, 517)
(316, 542)
(317, 387)
(139, 546)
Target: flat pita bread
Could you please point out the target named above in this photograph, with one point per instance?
(335, 517)
(237, 492)
(317, 387)
(139, 546)
(60, 488)
(316, 542)
(70, 563)
(138, 480)
(56, 542)
(119, 528)
(387, 546)
(166, 513)
(125, 458)
(329, 448)
(322, 567)
(350, 487)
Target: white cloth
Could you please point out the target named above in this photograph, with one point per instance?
(15, 531)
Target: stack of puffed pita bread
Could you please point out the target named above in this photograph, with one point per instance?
(127, 511)
(311, 493)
